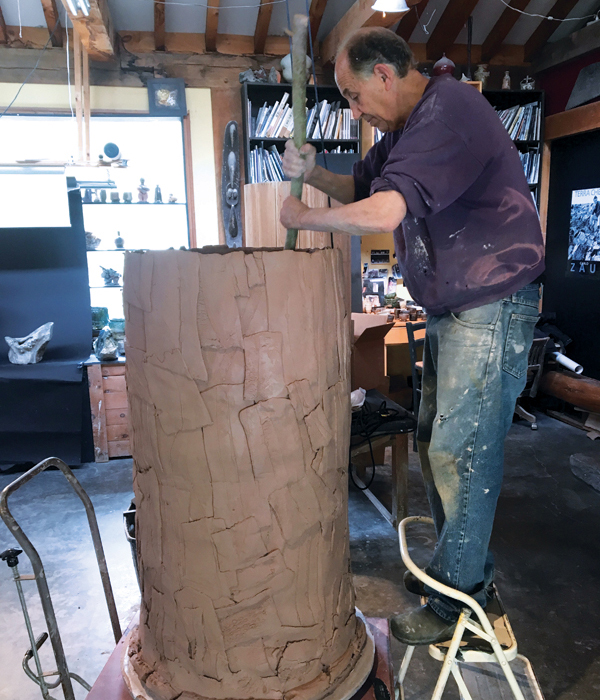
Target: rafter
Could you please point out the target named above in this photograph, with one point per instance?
(408, 23)
(448, 27)
(500, 30)
(361, 14)
(159, 25)
(96, 31)
(212, 24)
(547, 27)
(586, 40)
(52, 21)
(3, 31)
(262, 26)
(317, 8)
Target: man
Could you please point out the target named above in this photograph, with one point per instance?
(447, 179)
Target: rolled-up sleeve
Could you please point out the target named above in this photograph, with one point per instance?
(431, 166)
(366, 170)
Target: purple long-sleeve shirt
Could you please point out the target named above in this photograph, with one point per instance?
(472, 234)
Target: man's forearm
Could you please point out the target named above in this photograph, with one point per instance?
(379, 213)
(339, 187)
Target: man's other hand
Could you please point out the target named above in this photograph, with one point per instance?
(291, 212)
(295, 164)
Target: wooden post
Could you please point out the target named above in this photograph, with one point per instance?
(299, 39)
(78, 93)
(86, 102)
(238, 386)
(98, 408)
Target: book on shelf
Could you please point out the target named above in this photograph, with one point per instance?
(530, 160)
(265, 165)
(523, 122)
(327, 120)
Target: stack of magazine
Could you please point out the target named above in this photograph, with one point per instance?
(327, 120)
(523, 122)
(531, 165)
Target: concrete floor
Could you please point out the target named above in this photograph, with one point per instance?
(545, 540)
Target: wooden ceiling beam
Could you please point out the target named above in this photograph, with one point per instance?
(547, 27)
(577, 44)
(212, 25)
(500, 30)
(315, 15)
(262, 25)
(53, 22)
(159, 25)
(96, 31)
(409, 21)
(361, 14)
(453, 19)
(3, 30)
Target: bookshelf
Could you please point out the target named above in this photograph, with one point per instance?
(261, 152)
(522, 112)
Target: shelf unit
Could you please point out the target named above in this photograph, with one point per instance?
(258, 94)
(505, 99)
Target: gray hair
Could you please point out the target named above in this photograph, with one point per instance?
(368, 47)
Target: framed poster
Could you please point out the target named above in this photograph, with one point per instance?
(584, 233)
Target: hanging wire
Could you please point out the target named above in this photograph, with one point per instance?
(549, 17)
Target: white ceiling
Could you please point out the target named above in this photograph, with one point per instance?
(239, 16)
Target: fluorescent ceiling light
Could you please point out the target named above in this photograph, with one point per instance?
(85, 6)
(76, 5)
(391, 6)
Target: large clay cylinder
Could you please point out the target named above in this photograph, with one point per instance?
(238, 386)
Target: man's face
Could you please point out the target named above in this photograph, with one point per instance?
(375, 98)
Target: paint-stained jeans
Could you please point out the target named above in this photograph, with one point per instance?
(474, 368)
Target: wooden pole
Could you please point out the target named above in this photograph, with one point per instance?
(78, 93)
(86, 101)
(299, 39)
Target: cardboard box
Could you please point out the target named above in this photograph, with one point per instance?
(368, 352)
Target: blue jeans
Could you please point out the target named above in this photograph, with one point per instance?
(474, 368)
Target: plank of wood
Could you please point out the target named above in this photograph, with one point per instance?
(361, 14)
(115, 399)
(500, 30)
(117, 416)
(112, 384)
(159, 25)
(86, 101)
(96, 31)
(3, 30)
(575, 121)
(399, 478)
(262, 25)
(113, 370)
(189, 178)
(547, 27)
(315, 15)
(407, 24)
(53, 22)
(117, 432)
(98, 410)
(212, 24)
(78, 93)
(577, 44)
(448, 27)
(120, 448)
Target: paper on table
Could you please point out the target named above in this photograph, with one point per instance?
(31, 200)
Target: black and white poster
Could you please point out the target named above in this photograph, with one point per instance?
(584, 233)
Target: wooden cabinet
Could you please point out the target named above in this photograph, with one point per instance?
(110, 413)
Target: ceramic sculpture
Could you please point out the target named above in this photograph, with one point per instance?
(238, 386)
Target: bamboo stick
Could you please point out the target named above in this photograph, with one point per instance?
(78, 94)
(86, 101)
(299, 39)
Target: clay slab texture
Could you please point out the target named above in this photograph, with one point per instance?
(238, 386)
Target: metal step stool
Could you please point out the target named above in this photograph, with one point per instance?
(479, 653)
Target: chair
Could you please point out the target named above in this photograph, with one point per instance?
(480, 637)
(416, 368)
(534, 374)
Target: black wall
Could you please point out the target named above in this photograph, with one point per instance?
(575, 165)
(44, 408)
